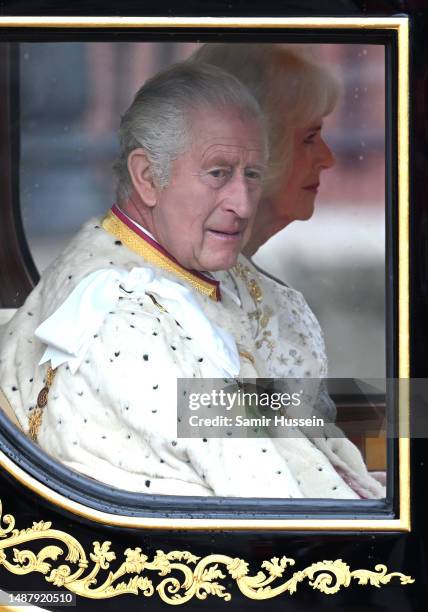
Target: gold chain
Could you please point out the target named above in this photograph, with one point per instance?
(36, 416)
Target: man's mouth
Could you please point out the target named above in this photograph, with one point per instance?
(225, 234)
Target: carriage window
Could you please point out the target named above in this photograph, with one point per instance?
(303, 304)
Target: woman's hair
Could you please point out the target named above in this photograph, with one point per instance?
(291, 89)
(159, 119)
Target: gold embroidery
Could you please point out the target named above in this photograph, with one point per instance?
(265, 338)
(255, 291)
(264, 320)
(255, 314)
(248, 355)
(120, 230)
(261, 316)
(94, 574)
(35, 419)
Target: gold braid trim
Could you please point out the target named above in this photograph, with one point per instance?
(187, 576)
(138, 245)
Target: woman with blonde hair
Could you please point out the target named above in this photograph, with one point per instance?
(295, 94)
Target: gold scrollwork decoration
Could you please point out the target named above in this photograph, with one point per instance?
(187, 576)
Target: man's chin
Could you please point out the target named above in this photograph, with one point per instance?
(224, 263)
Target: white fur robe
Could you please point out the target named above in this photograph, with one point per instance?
(115, 418)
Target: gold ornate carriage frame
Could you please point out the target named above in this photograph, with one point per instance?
(200, 577)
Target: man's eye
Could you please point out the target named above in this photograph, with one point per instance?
(218, 173)
(253, 175)
(216, 177)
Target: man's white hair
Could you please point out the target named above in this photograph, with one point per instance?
(290, 87)
(159, 119)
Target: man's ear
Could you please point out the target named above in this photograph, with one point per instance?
(140, 171)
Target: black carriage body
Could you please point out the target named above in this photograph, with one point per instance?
(202, 554)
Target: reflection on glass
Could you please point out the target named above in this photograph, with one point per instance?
(336, 259)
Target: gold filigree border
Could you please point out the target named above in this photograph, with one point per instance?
(187, 575)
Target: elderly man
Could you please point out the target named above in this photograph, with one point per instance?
(91, 360)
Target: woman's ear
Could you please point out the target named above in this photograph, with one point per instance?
(140, 171)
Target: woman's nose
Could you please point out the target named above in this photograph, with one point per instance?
(326, 158)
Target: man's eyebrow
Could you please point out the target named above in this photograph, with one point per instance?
(258, 165)
(219, 159)
(222, 149)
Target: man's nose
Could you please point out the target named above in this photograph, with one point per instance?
(325, 157)
(240, 197)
